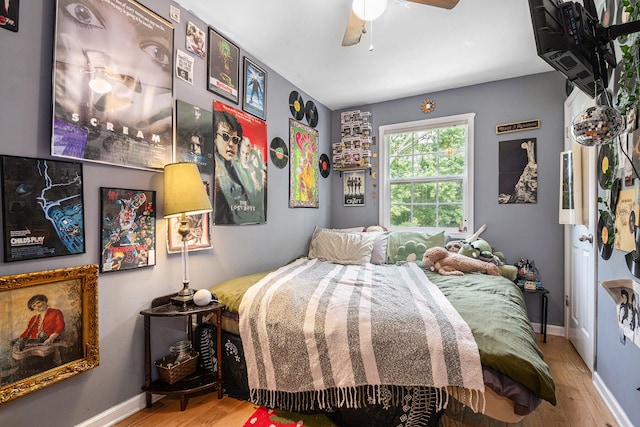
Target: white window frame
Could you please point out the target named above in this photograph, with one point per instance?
(467, 187)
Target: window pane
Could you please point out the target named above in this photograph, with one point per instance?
(400, 144)
(450, 191)
(452, 164)
(400, 167)
(424, 192)
(426, 165)
(400, 193)
(424, 215)
(425, 142)
(449, 215)
(400, 215)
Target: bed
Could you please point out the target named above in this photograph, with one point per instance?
(344, 266)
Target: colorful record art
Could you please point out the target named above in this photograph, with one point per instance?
(606, 165)
(296, 105)
(324, 165)
(278, 152)
(311, 113)
(606, 235)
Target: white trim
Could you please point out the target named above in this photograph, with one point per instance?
(611, 402)
(119, 412)
(468, 190)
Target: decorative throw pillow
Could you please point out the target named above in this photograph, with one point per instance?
(316, 230)
(343, 248)
(410, 245)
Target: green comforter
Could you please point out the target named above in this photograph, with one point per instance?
(494, 309)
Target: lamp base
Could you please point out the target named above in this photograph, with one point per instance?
(184, 299)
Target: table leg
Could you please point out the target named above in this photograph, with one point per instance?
(219, 347)
(147, 358)
(545, 304)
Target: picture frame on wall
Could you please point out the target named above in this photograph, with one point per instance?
(103, 111)
(39, 357)
(303, 170)
(571, 187)
(9, 12)
(199, 236)
(128, 233)
(223, 66)
(353, 187)
(43, 208)
(194, 136)
(255, 89)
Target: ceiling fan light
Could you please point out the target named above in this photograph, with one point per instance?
(368, 10)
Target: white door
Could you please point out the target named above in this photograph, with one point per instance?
(581, 246)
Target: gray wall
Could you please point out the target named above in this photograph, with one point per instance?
(520, 231)
(25, 122)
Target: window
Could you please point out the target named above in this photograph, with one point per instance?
(426, 174)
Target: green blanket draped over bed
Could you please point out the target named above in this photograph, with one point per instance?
(494, 309)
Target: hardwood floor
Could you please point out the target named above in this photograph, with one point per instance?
(578, 405)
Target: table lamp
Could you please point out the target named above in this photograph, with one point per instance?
(184, 194)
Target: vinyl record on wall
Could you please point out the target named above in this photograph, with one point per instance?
(605, 235)
(606, 164)
(296, 105)
(311, 112)
(324, 165)
(279, 153)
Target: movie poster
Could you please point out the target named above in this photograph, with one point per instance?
(9, 14)
(240, 171)
(517, 171)
(194, 136)
(113, 82)
(128, 229)
(42, 208)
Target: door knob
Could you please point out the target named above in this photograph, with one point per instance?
(588, 238)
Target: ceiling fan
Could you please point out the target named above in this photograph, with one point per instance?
(368, 10)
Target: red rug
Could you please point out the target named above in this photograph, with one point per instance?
(264, 417)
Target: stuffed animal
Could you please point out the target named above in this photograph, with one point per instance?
(450, 264)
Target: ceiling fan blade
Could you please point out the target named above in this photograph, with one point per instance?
(445, 4)
(353, 33)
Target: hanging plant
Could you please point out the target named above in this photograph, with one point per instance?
(629, 90)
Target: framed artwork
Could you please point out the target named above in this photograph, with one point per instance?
(517, 171)
(255, 89)
(196, 40)
(194, 136)
(240, 144)
(353, 188)
(34, 357)
(43, 208)
(303, 170)
(9, 15)
(571, 187)
(199, 236)
(128, 237)
(113, 84)
(223, 67)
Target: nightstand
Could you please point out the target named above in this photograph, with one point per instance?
(197, 382)
(542, 293)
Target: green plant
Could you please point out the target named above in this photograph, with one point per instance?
(629, 90)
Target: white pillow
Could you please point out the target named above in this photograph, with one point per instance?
(342, 248)
(316, 230)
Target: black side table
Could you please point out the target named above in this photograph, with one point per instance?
(195, 383)
(543, 309)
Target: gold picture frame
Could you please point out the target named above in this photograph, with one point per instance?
(40, 356)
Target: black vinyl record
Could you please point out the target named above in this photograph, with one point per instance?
(296, 105)
(311, 112)
(278, 153)
(605, 166)
(605, 235)
(324, 165)
(614, 193)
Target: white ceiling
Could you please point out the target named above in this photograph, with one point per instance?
(418, 49)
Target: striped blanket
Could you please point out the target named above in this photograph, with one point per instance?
(319, 335)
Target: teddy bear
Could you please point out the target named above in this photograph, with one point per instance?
(447, 263)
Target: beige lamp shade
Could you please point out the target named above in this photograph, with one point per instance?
(184, 191)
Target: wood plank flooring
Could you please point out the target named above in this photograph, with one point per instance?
(578, 405)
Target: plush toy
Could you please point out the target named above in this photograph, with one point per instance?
(450, 264)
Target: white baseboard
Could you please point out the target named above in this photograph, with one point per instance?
(551, 329)
(617, 412)
(119, 412)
